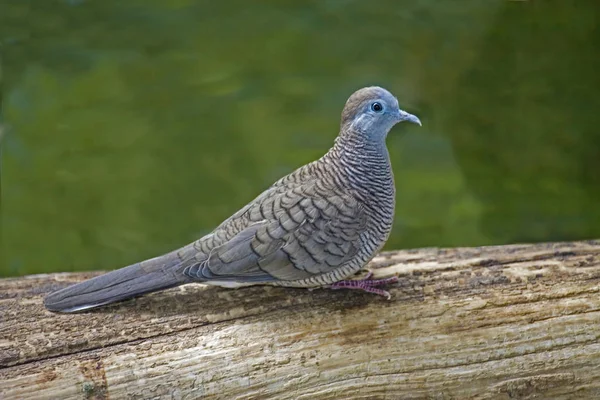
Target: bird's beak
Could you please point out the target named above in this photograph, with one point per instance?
(404, 116)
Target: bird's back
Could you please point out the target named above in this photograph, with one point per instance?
(256, 210)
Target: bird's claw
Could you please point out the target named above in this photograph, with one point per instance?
(366, 284)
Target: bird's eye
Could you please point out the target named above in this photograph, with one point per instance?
(377, 107)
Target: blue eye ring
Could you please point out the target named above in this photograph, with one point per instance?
(377, 107)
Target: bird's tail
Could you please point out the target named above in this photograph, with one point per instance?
(147, 276)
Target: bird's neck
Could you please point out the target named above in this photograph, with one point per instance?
(363, 160)
(353, 147)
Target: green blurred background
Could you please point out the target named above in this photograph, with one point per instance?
(134, 127)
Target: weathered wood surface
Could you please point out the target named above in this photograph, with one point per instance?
(501, 322)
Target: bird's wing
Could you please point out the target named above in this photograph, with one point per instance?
(296, 233)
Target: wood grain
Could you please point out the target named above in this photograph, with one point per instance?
(502, 322)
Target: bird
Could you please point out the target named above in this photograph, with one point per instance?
(315, 227)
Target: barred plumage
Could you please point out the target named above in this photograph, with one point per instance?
(313, 227)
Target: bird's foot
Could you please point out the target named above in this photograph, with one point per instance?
(366, 284)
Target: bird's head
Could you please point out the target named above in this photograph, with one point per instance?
(373, 111)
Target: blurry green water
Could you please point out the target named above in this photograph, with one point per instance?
(135, 127)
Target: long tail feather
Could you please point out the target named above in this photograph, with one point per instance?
(145, 277)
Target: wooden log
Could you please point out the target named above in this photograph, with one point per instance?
(519, 321)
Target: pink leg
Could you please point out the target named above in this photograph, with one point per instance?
(366, 284)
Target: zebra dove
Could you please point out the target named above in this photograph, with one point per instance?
(312, 228)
